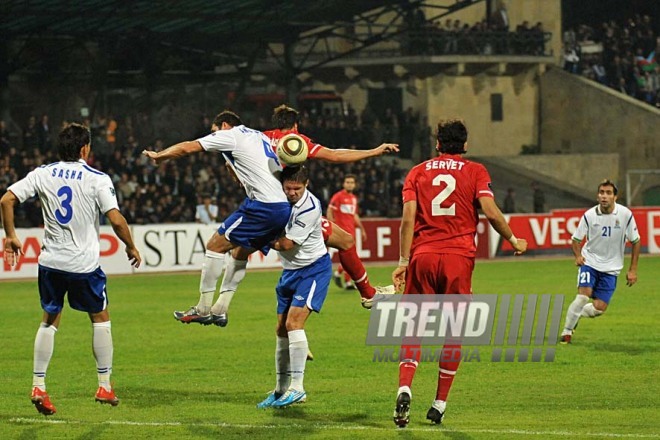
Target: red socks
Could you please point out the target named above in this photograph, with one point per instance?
(355, 269)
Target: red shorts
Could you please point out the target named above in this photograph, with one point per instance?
(326, 228)
(439, 274)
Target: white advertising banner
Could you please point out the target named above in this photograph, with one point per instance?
(113, 257)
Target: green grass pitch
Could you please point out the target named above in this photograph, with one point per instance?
(189, 381)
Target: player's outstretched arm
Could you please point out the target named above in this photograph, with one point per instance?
(345, 155)
(120, 226)
(496, 219)
(174, 152)
(13, 246)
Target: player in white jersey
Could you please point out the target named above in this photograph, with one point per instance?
(72, 195)
(302, 288)
(607, 227)
(261, 217)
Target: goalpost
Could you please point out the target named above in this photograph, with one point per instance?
(638, 182)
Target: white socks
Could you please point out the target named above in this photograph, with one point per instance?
(101, 345)
(282, 362)
(103, 349)
(573, 313)
(298, 348)
(234, 274)
(589, 311)
(211, 270)
(44, 343)
(440, 405)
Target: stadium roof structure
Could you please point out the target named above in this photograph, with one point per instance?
(99, 38)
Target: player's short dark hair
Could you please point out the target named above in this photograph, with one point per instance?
(452, 135)
(284, 117)
(229, 117)
(608, 182)
(350, 176)
(298, 174)
(71, 140)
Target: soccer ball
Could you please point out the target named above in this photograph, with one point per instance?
(292, 149)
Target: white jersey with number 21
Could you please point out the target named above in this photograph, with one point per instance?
(606, 237)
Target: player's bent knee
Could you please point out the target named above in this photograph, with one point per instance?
(219, 243)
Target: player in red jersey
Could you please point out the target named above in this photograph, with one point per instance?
(437, 246)
(285, 120)
(343, 211)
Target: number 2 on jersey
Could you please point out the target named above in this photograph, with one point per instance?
(65, 215)
(450, 181)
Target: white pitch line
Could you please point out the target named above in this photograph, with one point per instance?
(23, 420)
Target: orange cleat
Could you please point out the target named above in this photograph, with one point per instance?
(41, 401)
(106, 396)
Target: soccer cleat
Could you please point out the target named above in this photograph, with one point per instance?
(220, 320)
(565, 339)
(337, 277)
(350, 285)
(106, 396)
(434, 415)
(268, 401)
(192, 315)
(41, 402)
(290, 397)
(402, 410)
(310, 356)
(367, 303)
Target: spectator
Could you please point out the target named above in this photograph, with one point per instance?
(509, 201)
(538, 198)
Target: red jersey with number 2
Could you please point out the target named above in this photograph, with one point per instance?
(447, 189)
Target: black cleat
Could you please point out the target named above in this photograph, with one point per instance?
(220, 320)
(434, 415)
(402, 410)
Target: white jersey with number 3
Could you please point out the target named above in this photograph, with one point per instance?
(606, 237)
(72, 196)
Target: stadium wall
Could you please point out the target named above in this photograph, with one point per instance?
(581, 116)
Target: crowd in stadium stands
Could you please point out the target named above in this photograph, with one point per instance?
(486, 37)
(169, 192)
(620, 55)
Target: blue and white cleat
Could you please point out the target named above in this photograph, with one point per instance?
(268, 401)
(290, 397)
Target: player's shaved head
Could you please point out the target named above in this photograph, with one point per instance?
(71, 140)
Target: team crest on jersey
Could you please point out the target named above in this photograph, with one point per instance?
(617, 224)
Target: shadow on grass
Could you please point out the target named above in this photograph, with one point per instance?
(633, 350)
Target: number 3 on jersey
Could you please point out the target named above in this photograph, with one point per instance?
(450, 181)
(64, 215)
